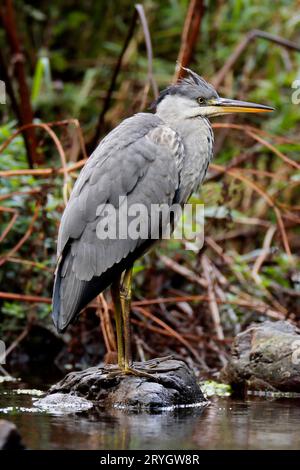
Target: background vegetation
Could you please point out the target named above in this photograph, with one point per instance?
(248, 268)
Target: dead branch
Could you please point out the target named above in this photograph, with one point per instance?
(4, 76)
(264, 253)
(273, 149)
(195, 338)
(267, 198)
(27, 262)
(99, 128)
(183, 271)
(253, 133)
(189, 36)
(151, 79)
(226, 258)
(240, 48)
(213, 306)
(25, 298)
(25, 237)
(106, 326)
(3, 197)
(18, 340)
(174, 333)
(258, 307)
(7, 15)
(10, 224)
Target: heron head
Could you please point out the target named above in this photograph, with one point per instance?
(192, 96)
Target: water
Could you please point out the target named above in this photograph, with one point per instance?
(254, 423)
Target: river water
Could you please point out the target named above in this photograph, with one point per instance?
(226, 423)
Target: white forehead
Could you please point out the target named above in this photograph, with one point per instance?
(174, 104)
(174, 107)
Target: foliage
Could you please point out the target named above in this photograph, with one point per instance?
(71, 50)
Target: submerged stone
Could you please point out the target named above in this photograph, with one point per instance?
(171, 384)
(10, 438)
(62, 403)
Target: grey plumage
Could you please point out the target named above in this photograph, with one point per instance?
(150, 158)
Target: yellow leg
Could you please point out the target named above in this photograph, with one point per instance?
(115, 293)
(126, 303)
(121, 295)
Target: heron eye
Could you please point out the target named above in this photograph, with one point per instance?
(201, 100)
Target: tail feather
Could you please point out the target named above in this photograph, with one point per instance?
(71, 295)
(67, 294)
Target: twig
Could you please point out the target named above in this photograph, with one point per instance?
(254, 34)
(183, 271)
(4, 76)
(151, 80)
(106, 325)
(267, 198)
(264, 253)
(196, 338)
(189, 36)
(261, 308)
(9, 225)
(254, 171)
(271, 147)
(99, 128)
(139, 347)
(253, 133)
(21, 242)
(225, 257)
(212, 298)
(99, 312)
(7, 15)
(174, 333)
(79, 132)
(3, 197)
(62, 159)
(285, 290)
(57, 144)
(48, 124)
(27, 262)
(3, 371)
(18, 340)
(25, 298)
(45, 172)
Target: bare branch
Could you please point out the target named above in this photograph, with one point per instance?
(213, 306)
(151, 79)
(240, 48)
(189, 36)
(99, 128)
(25, 114)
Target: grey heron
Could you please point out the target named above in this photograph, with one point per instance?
(149, 158)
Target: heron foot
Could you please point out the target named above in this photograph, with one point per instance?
(138, 372)
(147, 369)
(114, 372)
(153, 363)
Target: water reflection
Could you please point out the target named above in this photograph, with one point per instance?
(256, 423)
(252, 424)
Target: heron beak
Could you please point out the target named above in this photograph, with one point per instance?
(235, 106)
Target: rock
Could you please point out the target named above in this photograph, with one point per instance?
(172, 384)
(265, 357)
(10, 438)
(63, 403)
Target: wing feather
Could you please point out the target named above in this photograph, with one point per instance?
(135, 160)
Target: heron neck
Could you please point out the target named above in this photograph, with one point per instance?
(197, 138)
